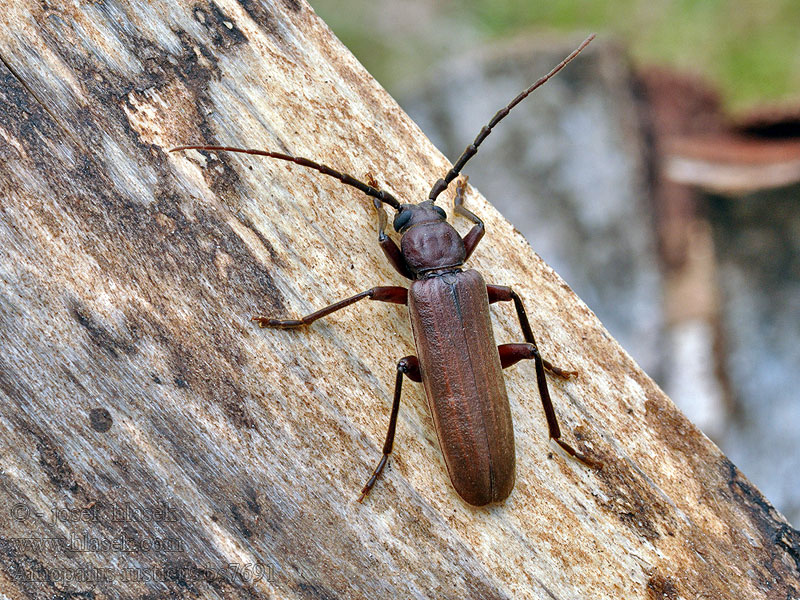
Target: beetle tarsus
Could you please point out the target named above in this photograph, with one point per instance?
(563, 373)
(278, 323)
(579, 456)
(374, 478)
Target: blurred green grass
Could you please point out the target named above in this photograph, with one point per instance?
(750, 49)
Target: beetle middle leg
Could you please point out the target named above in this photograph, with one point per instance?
(393, 294)
(502, 293)
(513, 353)
(408, 366)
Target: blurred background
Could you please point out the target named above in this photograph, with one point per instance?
(659, 175)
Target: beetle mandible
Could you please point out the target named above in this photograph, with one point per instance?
(457, 361)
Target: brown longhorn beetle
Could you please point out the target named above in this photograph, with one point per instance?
(457, 360)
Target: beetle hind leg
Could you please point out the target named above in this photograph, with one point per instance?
(512, 353)
(502, 293)
(408, 366)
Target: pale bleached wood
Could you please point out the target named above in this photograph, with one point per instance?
(128, 278)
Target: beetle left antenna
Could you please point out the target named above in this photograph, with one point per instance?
(472, 149)
(381, 195)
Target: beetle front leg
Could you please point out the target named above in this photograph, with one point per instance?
(475, 234)
(393, 294)
(390, 249)
(408, 366)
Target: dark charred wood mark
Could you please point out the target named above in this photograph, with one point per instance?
(241, 521)
(223, 30)
(51, 458)
(100, 419)
(662, 588)
(259, 13)
(778, 536)
(98, 334)
(247, 222)
(293, 5)
(314, 590)
(631, 500)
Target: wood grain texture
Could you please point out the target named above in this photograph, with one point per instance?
(132, 377)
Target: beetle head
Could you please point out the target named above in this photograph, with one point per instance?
(409, 215)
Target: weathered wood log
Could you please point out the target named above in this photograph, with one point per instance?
(156, 443)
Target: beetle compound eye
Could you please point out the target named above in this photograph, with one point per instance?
(441, 212)
(401, 220)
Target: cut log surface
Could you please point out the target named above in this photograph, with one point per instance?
(155, 443)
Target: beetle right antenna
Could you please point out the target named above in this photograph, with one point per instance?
(369, 190)
(472, 149)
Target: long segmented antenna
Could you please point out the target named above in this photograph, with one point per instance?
(384, 197)
(472, 149)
